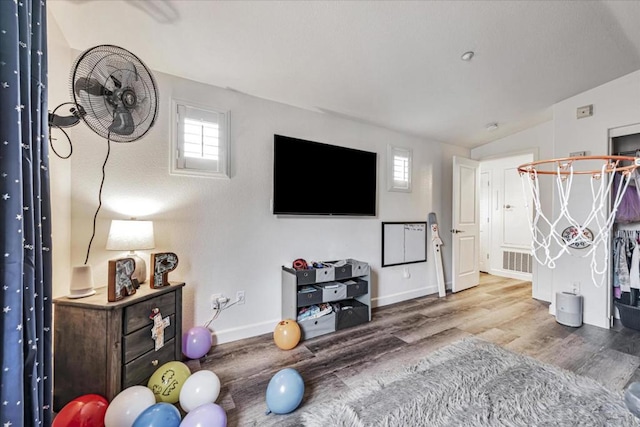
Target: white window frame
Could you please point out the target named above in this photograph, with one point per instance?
(190, 166)
(403, 185)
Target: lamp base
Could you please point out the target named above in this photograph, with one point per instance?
(140, 272)
(81, 282)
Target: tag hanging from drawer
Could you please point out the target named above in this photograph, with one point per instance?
(159, 325)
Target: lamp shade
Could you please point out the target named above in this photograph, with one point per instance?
(130, 235)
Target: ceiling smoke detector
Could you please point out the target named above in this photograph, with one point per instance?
(491, 127)
(467, 56)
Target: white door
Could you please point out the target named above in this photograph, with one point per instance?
(466, 224)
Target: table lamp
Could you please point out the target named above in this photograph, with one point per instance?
(132, 235)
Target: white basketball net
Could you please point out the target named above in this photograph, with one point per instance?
(548, 242)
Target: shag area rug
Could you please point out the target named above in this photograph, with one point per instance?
(475, 383)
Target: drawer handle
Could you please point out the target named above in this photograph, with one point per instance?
(154, 362)
(309, 296)
(306, 274)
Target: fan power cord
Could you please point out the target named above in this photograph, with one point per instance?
(95, 216)
(61, 130)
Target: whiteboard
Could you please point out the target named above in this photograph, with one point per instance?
(403, 243)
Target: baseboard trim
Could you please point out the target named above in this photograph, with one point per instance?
(512, 274)
(403, 296)
(242, 332)
(234, 334)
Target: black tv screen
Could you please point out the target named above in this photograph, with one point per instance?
(310, 178)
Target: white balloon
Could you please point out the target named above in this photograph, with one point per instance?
(201, 387)
(127, 405)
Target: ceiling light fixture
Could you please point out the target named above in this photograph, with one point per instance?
(491, 127)
(467, 56)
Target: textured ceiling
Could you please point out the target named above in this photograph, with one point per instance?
(396, 64)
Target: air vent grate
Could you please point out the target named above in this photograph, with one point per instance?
(517, 261)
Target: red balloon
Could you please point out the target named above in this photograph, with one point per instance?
(84, 411)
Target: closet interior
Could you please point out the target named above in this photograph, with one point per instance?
(626, 235)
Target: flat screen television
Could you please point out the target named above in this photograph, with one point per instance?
(311, 178)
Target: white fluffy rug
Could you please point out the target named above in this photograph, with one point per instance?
(474, 383)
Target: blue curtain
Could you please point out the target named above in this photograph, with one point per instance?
(25, 219)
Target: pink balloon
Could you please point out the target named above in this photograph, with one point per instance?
(196, 342)
(207, 415)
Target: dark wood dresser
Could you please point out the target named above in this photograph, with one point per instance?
(104, 347)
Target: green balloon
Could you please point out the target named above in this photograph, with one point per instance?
(166, 382)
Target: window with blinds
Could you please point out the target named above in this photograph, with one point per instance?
(398, 169)
(201, 142)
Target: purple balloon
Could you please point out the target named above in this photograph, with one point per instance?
(196, 342)
(207, 415)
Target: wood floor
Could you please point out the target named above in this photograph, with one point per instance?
(498, 310)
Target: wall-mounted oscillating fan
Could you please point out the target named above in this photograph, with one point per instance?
(113, 92)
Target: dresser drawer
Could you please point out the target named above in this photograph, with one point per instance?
(139, 370)
(137, 316)
(139, 342)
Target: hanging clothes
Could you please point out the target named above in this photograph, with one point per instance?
(621, 279)
(629, 208)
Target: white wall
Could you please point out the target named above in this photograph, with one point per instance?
(539, 141)
(223, 231)
(616, 104)
(59, 170)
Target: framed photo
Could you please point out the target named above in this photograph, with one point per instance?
(163, 263)
(120, 283)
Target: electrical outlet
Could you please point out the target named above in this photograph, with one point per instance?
(240, 297)
(575, 288)
(214, 301)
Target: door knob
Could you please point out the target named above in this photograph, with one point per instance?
(454, 231)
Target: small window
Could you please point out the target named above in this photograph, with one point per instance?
(399, 169)
(200, 141)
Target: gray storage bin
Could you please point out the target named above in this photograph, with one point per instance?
(356, 287)
(303, 277)
(343, 272)
(333, 291)
(315, 327)
(326, 274)
(358, 268)
(350, 313)
(310, 298)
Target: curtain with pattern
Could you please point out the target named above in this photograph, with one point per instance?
(25, 235)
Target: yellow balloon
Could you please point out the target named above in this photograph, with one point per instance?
(167, 381)
(287, 334)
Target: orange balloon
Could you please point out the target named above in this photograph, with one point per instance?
(287, 334)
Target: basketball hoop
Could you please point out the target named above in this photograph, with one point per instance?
(552, 238)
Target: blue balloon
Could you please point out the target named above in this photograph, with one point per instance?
(284, 392)
(158, 415)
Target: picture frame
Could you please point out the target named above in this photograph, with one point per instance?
(162, 264)
(120, 283)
